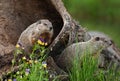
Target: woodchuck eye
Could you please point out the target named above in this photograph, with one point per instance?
(45, 24)
(51, 28)
(97, 38)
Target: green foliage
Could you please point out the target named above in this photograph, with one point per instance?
(85, 69)
(96, 10)
(32, 68)
(100, 15)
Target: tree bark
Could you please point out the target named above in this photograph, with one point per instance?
(17, 15)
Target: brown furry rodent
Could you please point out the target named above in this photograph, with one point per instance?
(41, 29)
(93, 46)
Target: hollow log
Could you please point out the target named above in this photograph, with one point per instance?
(17, 15)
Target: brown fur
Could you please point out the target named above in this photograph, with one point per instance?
(42, 28)
(93, 46)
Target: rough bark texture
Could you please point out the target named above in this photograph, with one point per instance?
(17, 15)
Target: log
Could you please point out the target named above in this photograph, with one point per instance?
(17, 15)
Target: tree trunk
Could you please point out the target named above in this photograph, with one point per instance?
(17, 15)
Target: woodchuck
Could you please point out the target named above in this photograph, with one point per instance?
(93, 46)
(41, 30)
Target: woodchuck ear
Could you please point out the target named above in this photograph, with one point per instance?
(112, 42)
(97, 38)
(39, 22)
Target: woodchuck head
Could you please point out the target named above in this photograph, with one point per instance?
(44, 29)
(101, 42)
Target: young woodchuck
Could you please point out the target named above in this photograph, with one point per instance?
(40, 30)
(93, 46)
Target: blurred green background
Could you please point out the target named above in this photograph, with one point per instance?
(100, 15)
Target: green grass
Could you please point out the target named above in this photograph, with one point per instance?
(84, 69)
(37, 73)
(87, 70)
(32, 68)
